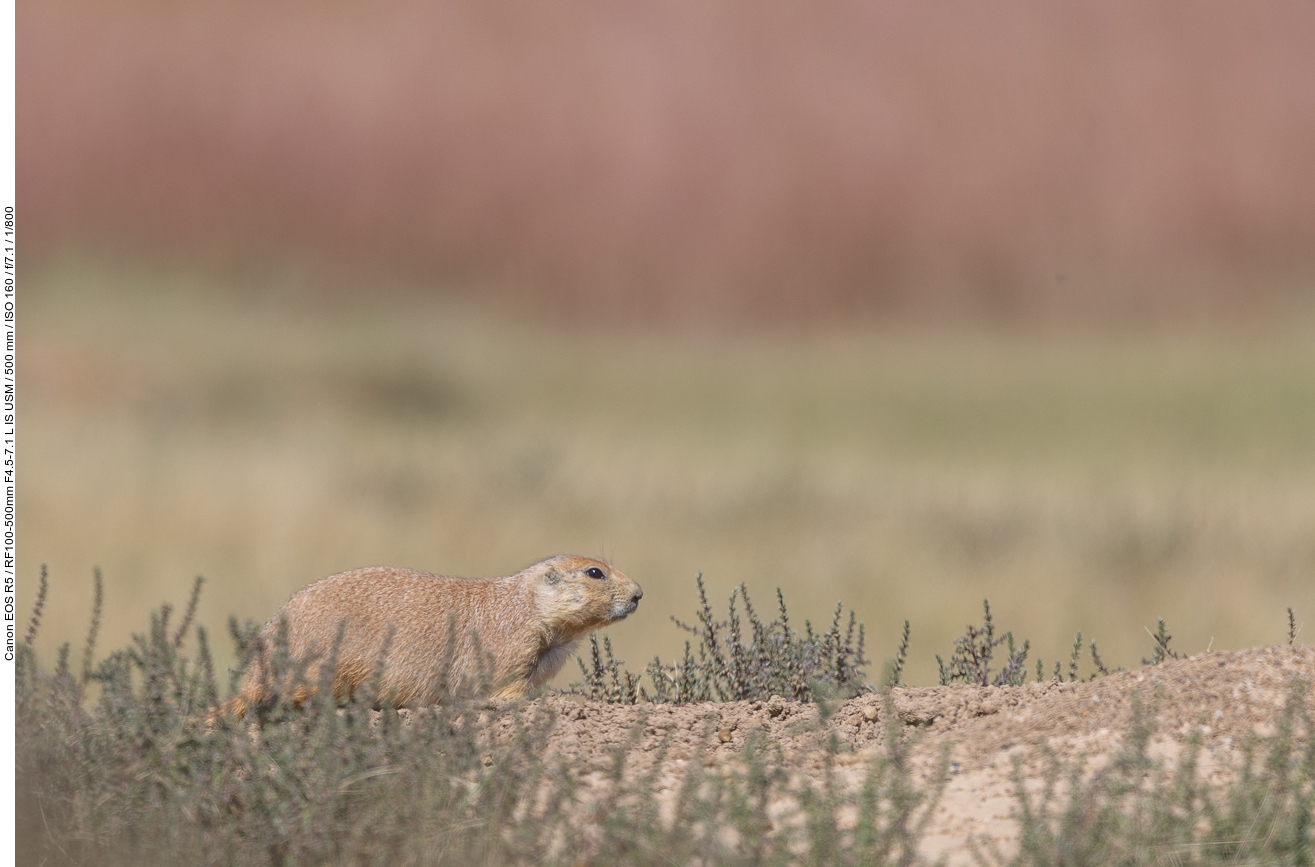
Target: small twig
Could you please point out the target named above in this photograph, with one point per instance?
(1095, 658)
(41, 604)
(189, 612)
(1162, 651)
(900, 655)
(98, 599)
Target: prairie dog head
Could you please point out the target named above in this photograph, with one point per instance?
(577, 594)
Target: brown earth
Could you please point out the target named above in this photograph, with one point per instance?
(1229, 695)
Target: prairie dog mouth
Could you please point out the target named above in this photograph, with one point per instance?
(620, 610)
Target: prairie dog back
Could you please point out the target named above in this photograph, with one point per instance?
(514, 631)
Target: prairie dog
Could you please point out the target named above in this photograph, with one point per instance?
(525, 627)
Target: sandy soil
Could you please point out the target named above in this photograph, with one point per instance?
(1229, 695)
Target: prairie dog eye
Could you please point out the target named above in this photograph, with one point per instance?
(594, 572)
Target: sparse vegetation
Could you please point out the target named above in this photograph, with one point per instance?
(971, 660)
(1162, 650)
(901, 654)
(1136, 811)
(605, 677)
(739, 662)
(1097, 661)
(118, 765)
(138, 775)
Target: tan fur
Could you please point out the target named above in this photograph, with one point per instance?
(524, 625)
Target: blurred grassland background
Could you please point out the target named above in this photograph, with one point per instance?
(1089, 483)
(901, 305)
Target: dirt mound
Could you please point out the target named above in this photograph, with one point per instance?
(1226, 696)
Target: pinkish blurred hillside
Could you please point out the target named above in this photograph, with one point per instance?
(718, 157)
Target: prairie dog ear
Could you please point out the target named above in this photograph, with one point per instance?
(552, 576)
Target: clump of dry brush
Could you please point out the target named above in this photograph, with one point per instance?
(970, 662)
(744, 658)
(738, 659)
